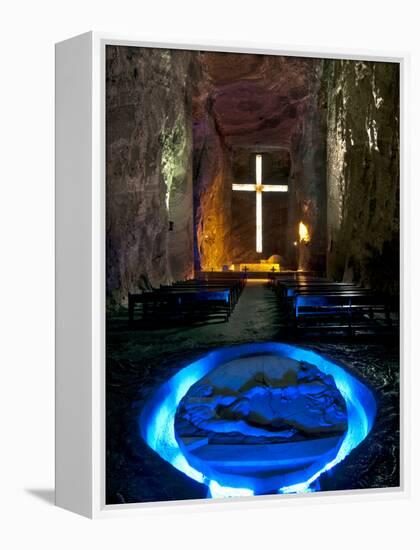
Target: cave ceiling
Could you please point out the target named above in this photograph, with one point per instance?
(257, 100)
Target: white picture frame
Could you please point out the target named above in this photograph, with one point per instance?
(80, 273)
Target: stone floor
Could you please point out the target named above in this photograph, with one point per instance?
(138, 361)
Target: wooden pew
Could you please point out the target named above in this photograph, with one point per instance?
(288, 290)
(196, 289)
(176, 304)
(278, 282)
(348, 309)
(221, 276)
(190, 299)
(317, 303)
(290, 277)
(234, 288)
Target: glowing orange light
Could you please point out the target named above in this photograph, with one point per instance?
(303, 233)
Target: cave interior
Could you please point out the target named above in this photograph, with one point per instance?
(326, 129)
(206, 154)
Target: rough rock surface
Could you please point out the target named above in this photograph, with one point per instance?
(363, 172)
(212, 192)
(257, 99)
(149, 160)
(307, 201)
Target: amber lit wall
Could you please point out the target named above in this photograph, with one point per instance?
(212, 194)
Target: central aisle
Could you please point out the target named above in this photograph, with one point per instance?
(255, 318)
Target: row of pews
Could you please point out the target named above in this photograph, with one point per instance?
(317, 304)
(208, 297)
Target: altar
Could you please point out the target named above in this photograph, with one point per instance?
(261, 267)
(264, 266)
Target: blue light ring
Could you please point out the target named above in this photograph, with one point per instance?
(158, 415)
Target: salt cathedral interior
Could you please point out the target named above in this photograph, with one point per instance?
(252, 275)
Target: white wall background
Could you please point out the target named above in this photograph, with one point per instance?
(28, 32)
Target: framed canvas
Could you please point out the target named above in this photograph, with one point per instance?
(229, 292)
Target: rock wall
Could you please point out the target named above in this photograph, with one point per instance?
(212, 186)
(149, 221)
(307, 197)
(363, 172)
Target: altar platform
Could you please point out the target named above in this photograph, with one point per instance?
(264, 266)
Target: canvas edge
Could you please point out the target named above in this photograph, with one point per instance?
(73, 273)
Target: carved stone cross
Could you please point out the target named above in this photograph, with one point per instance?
(259, 189)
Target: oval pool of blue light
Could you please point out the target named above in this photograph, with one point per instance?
(157, 421)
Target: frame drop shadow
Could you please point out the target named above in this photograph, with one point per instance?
(47, 495)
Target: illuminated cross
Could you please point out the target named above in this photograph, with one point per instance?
(258, 187)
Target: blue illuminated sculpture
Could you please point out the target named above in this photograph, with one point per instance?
(258, 418)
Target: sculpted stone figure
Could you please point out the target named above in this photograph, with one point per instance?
(261, 421)
(227, 413)
(306, 402)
